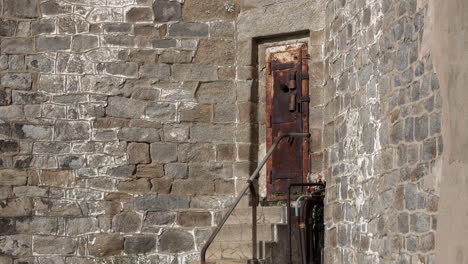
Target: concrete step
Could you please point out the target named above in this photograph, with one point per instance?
(265, 215)
(243, 232)
(232, 250)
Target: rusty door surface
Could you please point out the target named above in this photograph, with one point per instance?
(287, 111)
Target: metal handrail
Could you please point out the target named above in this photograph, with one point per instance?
(248, 185)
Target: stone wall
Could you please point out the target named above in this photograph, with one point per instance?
(382, 134)
(118, 137)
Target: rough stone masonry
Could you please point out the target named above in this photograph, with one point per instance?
(126, 126)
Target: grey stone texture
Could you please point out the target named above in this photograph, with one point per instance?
(127, 125)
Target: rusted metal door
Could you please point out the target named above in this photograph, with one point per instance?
(287, 111)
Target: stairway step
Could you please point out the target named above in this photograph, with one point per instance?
(265, 215)
(228, 261)
(243, 232)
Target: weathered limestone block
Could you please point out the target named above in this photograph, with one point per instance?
(17, 45)
(161, 202)
(225, 113)
(175, 241)
(42, 26)
(205, 10)
(196, 152)
(51, 83)
(51, 8)
(74, 63)
(191, 112)
(141, 185)
(216, 92)
(72, 130)
(139, 244)
(212, 133)
(146, 94)
(38, 225)
(9, 146)
(138, 153)
(162, 185)
(216, 52)
(107, 85)
(126, 222)
(192, 187)
(82, 225)
(39, 63)
(118, 41)
(139, 14)
(53, 43)
(15, 245)
(140, 134)
(82, 43)
(153, 219)
(165, 11)
(194, 219)
(7, 226)
(7, 27)
(164, 153)
(21, 8)
(16, 207)
(125, 171)
(189, 29)
(124, 107)
(13, 177)
(194, 72)
(58, 178)
(176, 170)
(51, 148)
(101, 245)
(32, 131)
(164, 43)
(156, 71)
(105, 14)
(176, 56)
(20, 81)
(161, 111)
(129, 70)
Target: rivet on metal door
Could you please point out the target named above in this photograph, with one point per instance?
(287, 88)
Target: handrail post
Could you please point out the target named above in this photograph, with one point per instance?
(247, 186)
(254, 201)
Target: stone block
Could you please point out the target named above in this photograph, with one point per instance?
(126, 222)
(146, 94)
(7, 27)
(51, 83)
(212, 133)
(51, 147)
(7, 226)
(190, 112)
(194, 219)
(54, 245)
(81, 226)
(162, 185)
(13, 177)
(117, 28)
(225, 113)
(129, 70)
(194, 72)
(105, 14)
(58, 178)
(420, 223)
(101, 245)
(42, 26)
(216, 92)
(176, 170)
(72, 130)
(39, 63)
(16, 207)
(225, 187)
(51, 8)
(17, 45)
(124, 107)
(421, 127)
(138, 153)
(205, 10)
(159, 218)
(226, 152)
(189, 29)
(161, 111)
(143, 56)
(139, 14)
(215, 52)
(164, 43)
(150, 171)
(16, 245)
(211, 170)
(53, 43)
(118, 41)
(176, 56)
(222, 29)
(11, 112)
(176, 241)
(141, 185)
(161, 202)
(165, 11)
(9, 147)
(140, 134)
(21, 8)
(164, 153)
(196, 153)
(82, 43)
(20, 81)
(192, 187)
(139, 244)
(38, 225)
(155, 71)
(122, 171)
